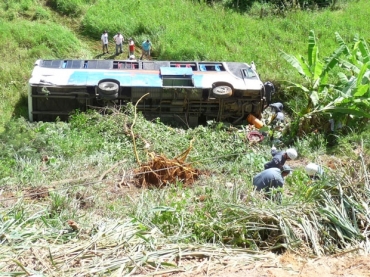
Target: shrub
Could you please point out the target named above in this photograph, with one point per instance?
(68, 7)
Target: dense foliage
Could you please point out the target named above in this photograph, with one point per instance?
(285, 5)
(345, 102)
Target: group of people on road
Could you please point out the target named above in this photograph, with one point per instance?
(119, 40)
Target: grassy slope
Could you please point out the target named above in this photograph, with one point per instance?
(22, 44)
(68, 159)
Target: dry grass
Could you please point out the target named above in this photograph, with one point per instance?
(123, 247)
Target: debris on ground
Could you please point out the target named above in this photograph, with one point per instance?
(273, 124)
(37, 193)
(255, 136)
(161, 171)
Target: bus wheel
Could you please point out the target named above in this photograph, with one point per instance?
(108, 97)
(222, 91)
(108, 88)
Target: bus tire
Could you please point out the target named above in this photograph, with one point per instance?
(108, 88)
(108, 97)
(222, 91)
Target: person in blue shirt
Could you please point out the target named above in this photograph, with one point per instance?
(280, 157)
(271, 178)
(146, 48)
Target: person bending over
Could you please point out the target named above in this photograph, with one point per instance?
(280, 157)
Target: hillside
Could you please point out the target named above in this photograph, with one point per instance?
(77, 198)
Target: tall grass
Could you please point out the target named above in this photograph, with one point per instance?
(200, 32)
(21, 45)
(72, 8)
(83, 171)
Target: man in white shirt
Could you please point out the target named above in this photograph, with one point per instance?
(104, 40)
(119, 40)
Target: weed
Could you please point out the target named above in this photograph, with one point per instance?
(58, 204)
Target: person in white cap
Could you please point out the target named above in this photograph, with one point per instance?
(314, 171)
(271, 178)
(280, 157)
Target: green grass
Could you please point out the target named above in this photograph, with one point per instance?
(87, 165)
(191, 31)
(88, 157)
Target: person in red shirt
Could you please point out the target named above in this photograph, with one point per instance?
(131, 48)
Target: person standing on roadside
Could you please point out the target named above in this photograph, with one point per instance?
(146, 48)
(104, 40)
(119, 40)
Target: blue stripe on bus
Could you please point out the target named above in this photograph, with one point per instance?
(173, 71)
(126, 78)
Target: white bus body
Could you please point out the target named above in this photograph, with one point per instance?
(191, 91)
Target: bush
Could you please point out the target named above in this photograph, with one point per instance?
(41, 13)
(68, 7)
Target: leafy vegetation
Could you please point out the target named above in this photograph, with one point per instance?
(68, 200)
(347, 101)
(72, 8)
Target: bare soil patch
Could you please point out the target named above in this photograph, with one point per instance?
(37, 193)
(290, 264)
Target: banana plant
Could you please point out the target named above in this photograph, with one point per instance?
(323, 99)
(355, 87)
(352, 101)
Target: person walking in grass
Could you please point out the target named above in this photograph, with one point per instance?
(146, 48)
(104, 40)
(280, 157)
(119, 40)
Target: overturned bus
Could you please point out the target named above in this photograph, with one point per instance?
(188, 91)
